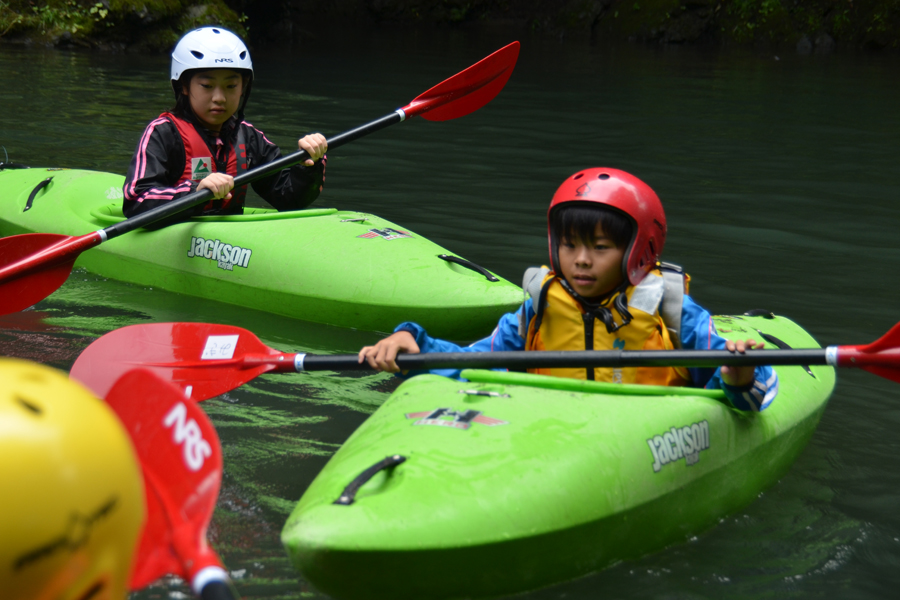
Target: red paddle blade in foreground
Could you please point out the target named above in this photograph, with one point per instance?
(468, 90)
(34, 265)
(203, 360)
(182, 464)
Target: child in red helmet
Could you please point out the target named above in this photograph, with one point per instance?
(606, 290)
(204, 141)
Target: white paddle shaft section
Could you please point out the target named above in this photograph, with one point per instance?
(402, 114)
(831, 356)
(207, 575)
(298, 362)
(102, 234)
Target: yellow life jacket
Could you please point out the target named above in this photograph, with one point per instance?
(561, 323)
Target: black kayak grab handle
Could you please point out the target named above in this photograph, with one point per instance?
(784, 346)
(349, 493)
(35, 191)
(469, 265)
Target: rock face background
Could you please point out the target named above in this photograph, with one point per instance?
(134, 25)
(154, 25)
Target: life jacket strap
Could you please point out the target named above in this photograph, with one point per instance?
(241, 166)
(588, 318)
(675, 282)
(531, 286)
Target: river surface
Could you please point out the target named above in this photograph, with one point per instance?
(780, 176)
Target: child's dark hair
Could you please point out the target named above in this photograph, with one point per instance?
(182, 106)
(577, 222)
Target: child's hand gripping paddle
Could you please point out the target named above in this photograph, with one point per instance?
(206, 360)
(182, 464)
(34, 265)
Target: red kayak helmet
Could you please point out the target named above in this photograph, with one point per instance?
(627, 194)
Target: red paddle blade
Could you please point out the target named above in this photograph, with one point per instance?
(34, 265)
(888, 342)
(201, 359)
(182, 463)
(881, 357)
(19, 291)
(468, 90)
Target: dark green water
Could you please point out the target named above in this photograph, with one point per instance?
(780, 178)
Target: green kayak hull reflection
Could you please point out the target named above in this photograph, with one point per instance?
(513, 481)
(328, 266)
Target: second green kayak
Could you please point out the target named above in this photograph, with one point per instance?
(511, 481)
(341, 268)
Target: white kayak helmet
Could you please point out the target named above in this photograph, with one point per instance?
(209, 48)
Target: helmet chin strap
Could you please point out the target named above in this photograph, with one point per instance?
(599, 308)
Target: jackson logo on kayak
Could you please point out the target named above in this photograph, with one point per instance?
(447, 417)
(679, 442)
(386, 233)
(226, 256)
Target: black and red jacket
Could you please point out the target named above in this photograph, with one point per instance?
(171, 152)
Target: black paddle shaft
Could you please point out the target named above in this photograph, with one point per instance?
(573, 359)
(218, 590)
(199, 197)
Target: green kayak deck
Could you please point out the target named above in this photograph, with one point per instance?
(324, 265)
(550, 480)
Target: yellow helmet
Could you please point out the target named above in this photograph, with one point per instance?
(72, 504)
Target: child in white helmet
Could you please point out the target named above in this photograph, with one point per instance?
(606, 291)
(204, 142)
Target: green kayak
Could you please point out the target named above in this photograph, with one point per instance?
(511, 481)
(323, 265)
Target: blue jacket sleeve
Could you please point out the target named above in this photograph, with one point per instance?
(504, 337)
(698, 332)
